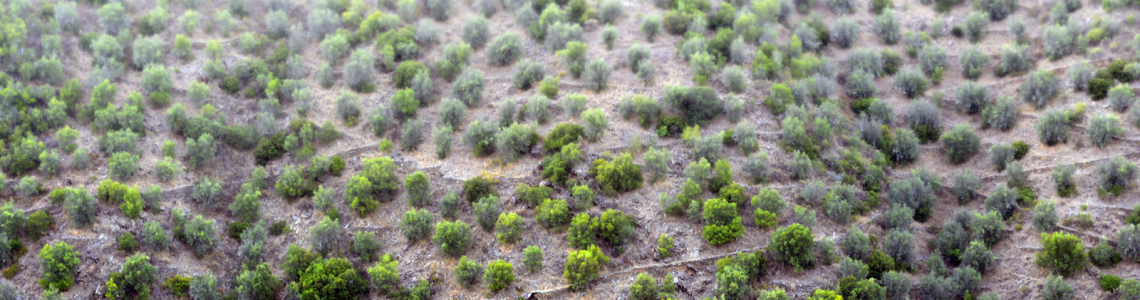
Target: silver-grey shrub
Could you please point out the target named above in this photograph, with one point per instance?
(1103, 128)
(1039, 88)
(886, 26)
(845, 31)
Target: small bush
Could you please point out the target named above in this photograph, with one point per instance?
(453, 237)
(650, 27)
(504, 49)
(1063, 180)
(792, 245)
(1104, 255)
(976, 24)
(1114, 175)
(1062, 252)
(475, 31)
(1055, 286)
(1039, 88)
(911, 83)
(925, 120)
(1053, 127)
(1121, 97)
(526, 73)
(582, 267)
(972, 60)
(1014, 59)
(532, 258)
(886, 26)
(1109, 282)
(1102, 129)
(467, 272)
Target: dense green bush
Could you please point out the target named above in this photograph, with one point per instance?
(517, 139)
(960, 143)
(1104, 255)
(508, 228)
(582, 267)
(976, 24)
(526, 73)
(793, 245)
(1061, 252)
(597, 74)
(57, 263)
(1014, 59)
(453, 237)
(532, 258)
(723, 223)
(1128, 242)
(911, 82)
(416, 224)
(618, 175)
(467, 272)
(1109, 282)
(323, 279)
(128, 243)
(552, 213)
(499, 275)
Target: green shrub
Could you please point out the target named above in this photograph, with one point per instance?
(418, 187)
(1040, 88)
(504, 49)
(325, 235)
(1104, 255)
(468, 87)
(467, 272)
(526, 73)
(406, 71)
(179, 285)
(1109, 282)
(123, 165)
(1053, 127)
(480, 136)
(453, 237)
(793, 244)
(615, 227)
(499, 275)
(1055, 286)
(960, 143)
(128, 243)
(314, 281)
(532, 258)
(618, 175)
(1115, 175)
(581, 233)
(416, 224)
(597, 75)
(1061, 252)
(582, 267)
(722, 222)
(58, 262)
(508, 228)
(1103, 128)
